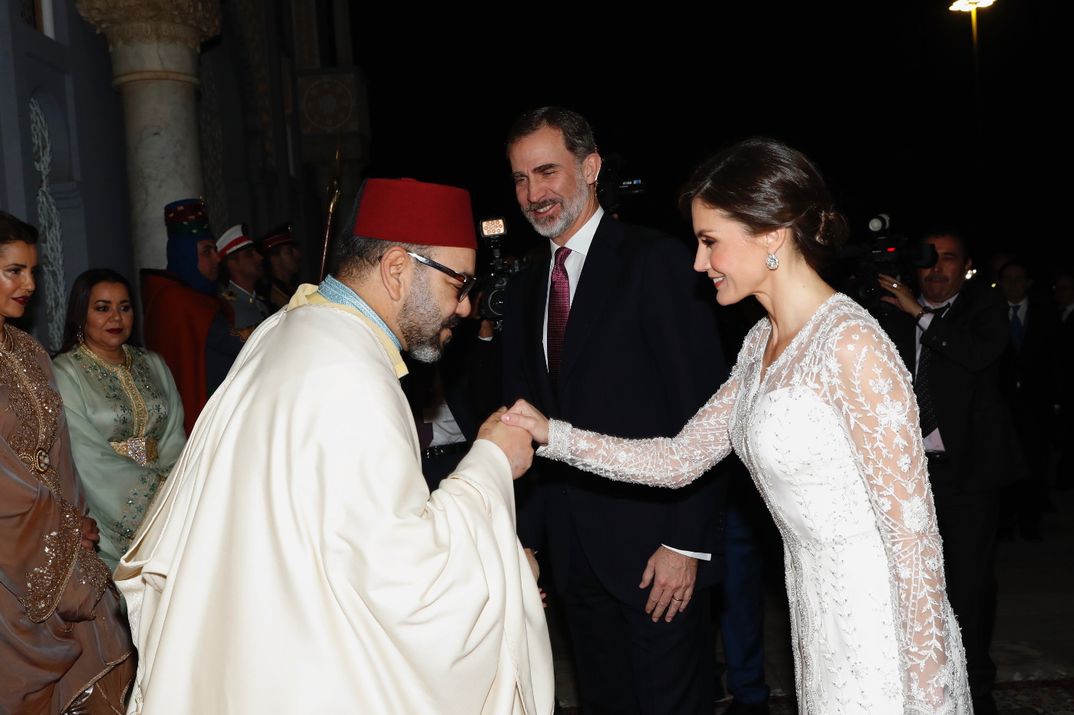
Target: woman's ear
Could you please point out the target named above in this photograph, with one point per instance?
(776, 239)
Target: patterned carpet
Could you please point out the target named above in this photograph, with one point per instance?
(1050, 697)
(1033, 697)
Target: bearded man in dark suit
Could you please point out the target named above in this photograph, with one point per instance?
(639, 354)
(952, 337)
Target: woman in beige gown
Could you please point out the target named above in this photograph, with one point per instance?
(63, 647)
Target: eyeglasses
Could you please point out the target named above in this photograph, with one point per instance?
(468, 282)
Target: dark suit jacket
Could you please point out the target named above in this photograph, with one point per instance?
(967, 344)
(641, 354)
(1064, 358)
(1029, 374)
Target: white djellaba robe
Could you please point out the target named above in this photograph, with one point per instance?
(295, 561)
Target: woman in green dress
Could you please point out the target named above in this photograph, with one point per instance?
(123, 410)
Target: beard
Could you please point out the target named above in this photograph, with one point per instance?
(420, 323)
(572, 207)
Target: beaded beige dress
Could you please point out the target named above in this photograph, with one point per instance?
(60, 629)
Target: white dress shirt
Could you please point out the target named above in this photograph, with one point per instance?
(1020, 310)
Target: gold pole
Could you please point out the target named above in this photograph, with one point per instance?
(334, 187)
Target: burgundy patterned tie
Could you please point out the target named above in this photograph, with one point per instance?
(559, 308)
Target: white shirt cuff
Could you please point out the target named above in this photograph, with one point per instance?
(699, 555)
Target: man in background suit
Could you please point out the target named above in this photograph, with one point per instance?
(952, 337)
(638, 356)
(1029, 380)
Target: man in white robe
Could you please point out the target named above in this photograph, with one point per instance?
(295, 561)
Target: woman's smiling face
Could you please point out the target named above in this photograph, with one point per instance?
(18, 260)
(727, 253)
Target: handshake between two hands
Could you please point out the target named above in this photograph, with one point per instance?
(514, 430)
(669, 575)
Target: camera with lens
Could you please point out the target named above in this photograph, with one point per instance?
(616, 186)
(492, 284)
(882, 251)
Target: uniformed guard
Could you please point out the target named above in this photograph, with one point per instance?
(283, 261)
(242, 262)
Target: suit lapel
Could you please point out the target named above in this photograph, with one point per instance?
(905, 335)
(906, 342)
(537, 295)
(596, 286)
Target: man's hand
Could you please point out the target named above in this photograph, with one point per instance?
(90, 534)
(514, 442)
(900, 297)
(673, 577)
(531, 557)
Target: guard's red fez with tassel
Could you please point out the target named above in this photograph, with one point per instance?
(410, 211)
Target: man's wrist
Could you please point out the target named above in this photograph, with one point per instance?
(699, 555)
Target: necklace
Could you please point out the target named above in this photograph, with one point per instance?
(126, 362)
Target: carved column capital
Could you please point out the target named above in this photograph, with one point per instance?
(142, 22)
(154, 46)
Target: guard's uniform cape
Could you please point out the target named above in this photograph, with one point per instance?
(295, 562)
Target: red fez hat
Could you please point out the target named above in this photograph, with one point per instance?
(409, 211)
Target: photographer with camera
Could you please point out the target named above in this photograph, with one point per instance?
(952, 336)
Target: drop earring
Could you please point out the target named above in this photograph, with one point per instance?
(772, 262)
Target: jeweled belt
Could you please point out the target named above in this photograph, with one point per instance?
(142, 450)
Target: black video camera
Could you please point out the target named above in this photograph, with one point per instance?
(493, 284)
(884, 252)
(614, 187)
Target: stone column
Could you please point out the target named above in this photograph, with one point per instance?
(154, 46)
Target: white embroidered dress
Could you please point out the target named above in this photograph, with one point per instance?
(830, 434)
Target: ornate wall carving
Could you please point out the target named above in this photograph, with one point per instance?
(251, 27)
(213, 149)
(329, 103)
(130, 22)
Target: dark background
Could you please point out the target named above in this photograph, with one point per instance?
(881, 98)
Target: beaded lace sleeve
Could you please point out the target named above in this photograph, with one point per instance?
(869, 386)
(661, 461)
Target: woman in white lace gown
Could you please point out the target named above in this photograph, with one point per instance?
(820, 408)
